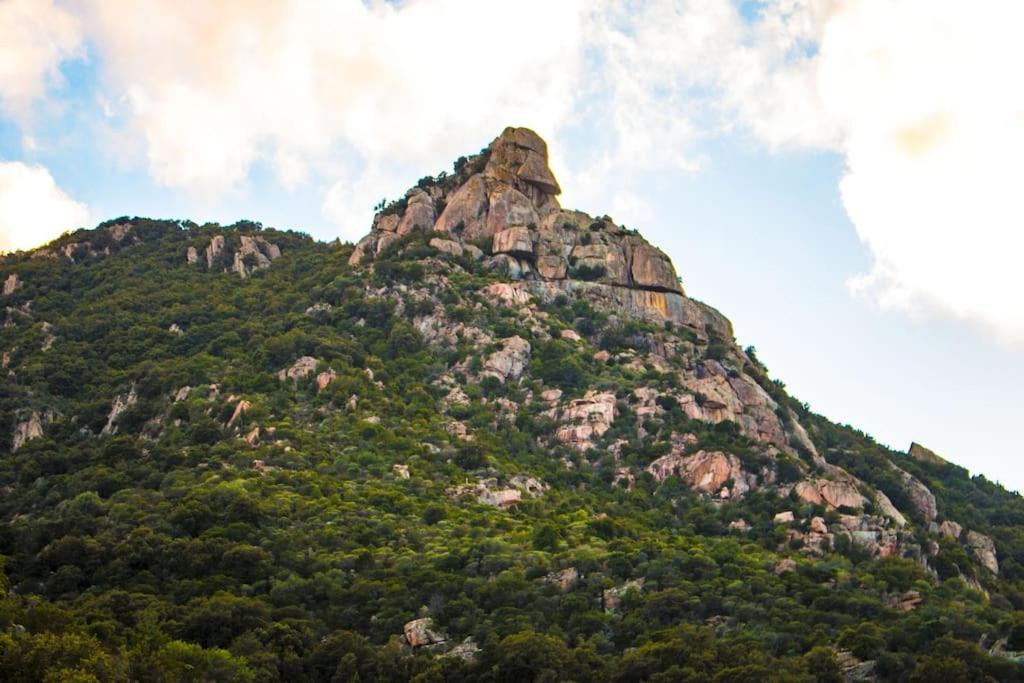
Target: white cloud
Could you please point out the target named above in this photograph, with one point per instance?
(921, 97)
(35, 36)
(215, 88)
(933, 114)
(33, 209)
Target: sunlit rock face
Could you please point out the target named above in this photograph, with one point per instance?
(503, 201)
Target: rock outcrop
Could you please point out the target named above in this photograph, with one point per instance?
(564, 580)
(833, 494)
(714, 473)
(241, 409)
(509, 362)
(920, 496)
(584, 420)
(886, 507)
(120, 405)
(505, 197)
(421, 633)
(214, 249)
(101, 242)
(737, 398)
(11, 284)
(984, 549)
(254, 252)
(922, 454)
(26, 430)
(300, 369)
(611, 598)
(906, 602)
(489, 492)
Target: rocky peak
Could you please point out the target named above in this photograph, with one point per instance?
(500, 207)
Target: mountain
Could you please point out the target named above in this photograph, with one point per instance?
(494, 440)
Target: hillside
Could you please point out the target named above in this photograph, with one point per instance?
(494, 440)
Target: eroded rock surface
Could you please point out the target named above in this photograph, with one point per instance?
(922, 498)
(254, 253)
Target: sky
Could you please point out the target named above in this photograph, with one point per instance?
(839, 177)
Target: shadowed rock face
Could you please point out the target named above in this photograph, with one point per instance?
(505, 199)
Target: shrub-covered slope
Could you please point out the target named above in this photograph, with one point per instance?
(494, 440)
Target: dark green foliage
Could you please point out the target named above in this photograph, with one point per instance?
(175, 550)
(558, 364)
(586, 272)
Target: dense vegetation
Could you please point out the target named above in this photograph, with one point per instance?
(175, 550)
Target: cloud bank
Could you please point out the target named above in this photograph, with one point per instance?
(339, 88)
(919, 97)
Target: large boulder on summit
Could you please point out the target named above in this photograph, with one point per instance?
(520, 156)
(506, 195)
